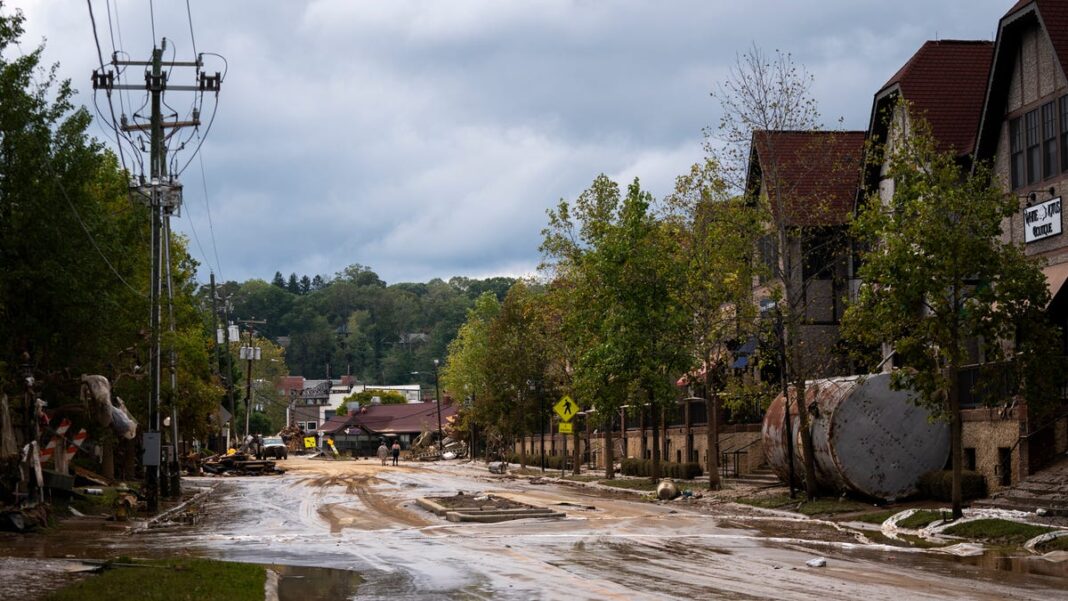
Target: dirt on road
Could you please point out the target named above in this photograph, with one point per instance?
(362, 516)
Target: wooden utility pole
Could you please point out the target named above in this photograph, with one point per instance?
(163, 194)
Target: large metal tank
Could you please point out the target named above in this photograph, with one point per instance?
(866, 437)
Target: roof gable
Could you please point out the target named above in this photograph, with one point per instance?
(815, 172)
(945, 83)
(1052, 17)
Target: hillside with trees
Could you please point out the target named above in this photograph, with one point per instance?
(355, 323)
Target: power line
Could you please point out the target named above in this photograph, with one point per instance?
(192, 37)
(100, 56)
(207, 205)
(152, 16)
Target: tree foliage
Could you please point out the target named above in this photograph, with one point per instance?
(938, 279)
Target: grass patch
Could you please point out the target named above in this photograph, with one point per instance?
(635, 484)
(817, 507)
(1058, 544)
(171, 580)
(647, 485)
(769, 502)
(920, 519)
(585, 478)
(875, 517)
(831, 506)
(997, 531)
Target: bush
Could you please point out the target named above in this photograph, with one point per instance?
(939, 485)
(644, 468)
(553, 462)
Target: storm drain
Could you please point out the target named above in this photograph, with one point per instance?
(484, 508)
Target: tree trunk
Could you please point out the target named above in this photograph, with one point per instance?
(955, 438)
(655, 473)
(609, 455)
(523, 453)
(641, 424)
(806, 441)
(665, 442)
(712, 431)
(575, 455)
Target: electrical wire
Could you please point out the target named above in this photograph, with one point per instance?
(152, 16)
(192, 37)
(207, 205)
(100, 56)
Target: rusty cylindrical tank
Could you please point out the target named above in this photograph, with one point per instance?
(866, 437)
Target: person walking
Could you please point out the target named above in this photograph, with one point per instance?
(396, 452)
(383, 451)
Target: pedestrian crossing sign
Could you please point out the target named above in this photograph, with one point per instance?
(565, 408)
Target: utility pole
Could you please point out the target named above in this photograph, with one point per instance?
(437, 395)
(163, 195)
(250, 354)
(781, 332)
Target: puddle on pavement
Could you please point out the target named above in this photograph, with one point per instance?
(298, 583)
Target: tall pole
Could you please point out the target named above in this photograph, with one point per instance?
(174, 486)
(156, 162)
(786, 400)
(248, 382)
(232, 429)
(437, 395)
(541, 419)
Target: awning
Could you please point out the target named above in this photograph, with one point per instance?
(1055, 278)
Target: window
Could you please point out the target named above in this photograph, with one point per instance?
(969, 459)
(1031, 135)
(310, 426)
(1049, 140)
(1064, 133)
(1016, 153)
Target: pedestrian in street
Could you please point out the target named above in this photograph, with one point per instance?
(396, 452)
(383, 452)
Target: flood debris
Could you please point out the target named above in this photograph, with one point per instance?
(426, 448)
(816, 562)
(667, 490)
(239, 464)
(498, 467)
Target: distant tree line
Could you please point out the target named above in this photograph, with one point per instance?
(355, 323)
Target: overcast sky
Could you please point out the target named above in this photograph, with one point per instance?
(427, 138)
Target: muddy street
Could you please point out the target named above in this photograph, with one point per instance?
(362, 517)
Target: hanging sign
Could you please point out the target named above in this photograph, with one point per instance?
(567, 428)
(1042, 220)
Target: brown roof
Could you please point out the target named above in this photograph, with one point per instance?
(945, 82)
(1052, 16)
(401, 418)
(816, 172)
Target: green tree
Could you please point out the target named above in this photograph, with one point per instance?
(278, 280)
(938, 278)
(717, 233)
(625, 312)
(293, 284)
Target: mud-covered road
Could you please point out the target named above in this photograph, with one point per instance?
(359, 516)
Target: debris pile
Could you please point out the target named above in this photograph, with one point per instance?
(425, 447)
(239, 464)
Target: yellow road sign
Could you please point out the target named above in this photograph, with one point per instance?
(309, 442)
(566, 428)
(565, 408)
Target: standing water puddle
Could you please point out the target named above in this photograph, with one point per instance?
(299, 583)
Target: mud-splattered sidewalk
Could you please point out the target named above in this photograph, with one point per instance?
(363, 517)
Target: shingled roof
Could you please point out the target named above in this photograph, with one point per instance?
(1052, 16)
(394, 419)
(816, 173)
(945, 83)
